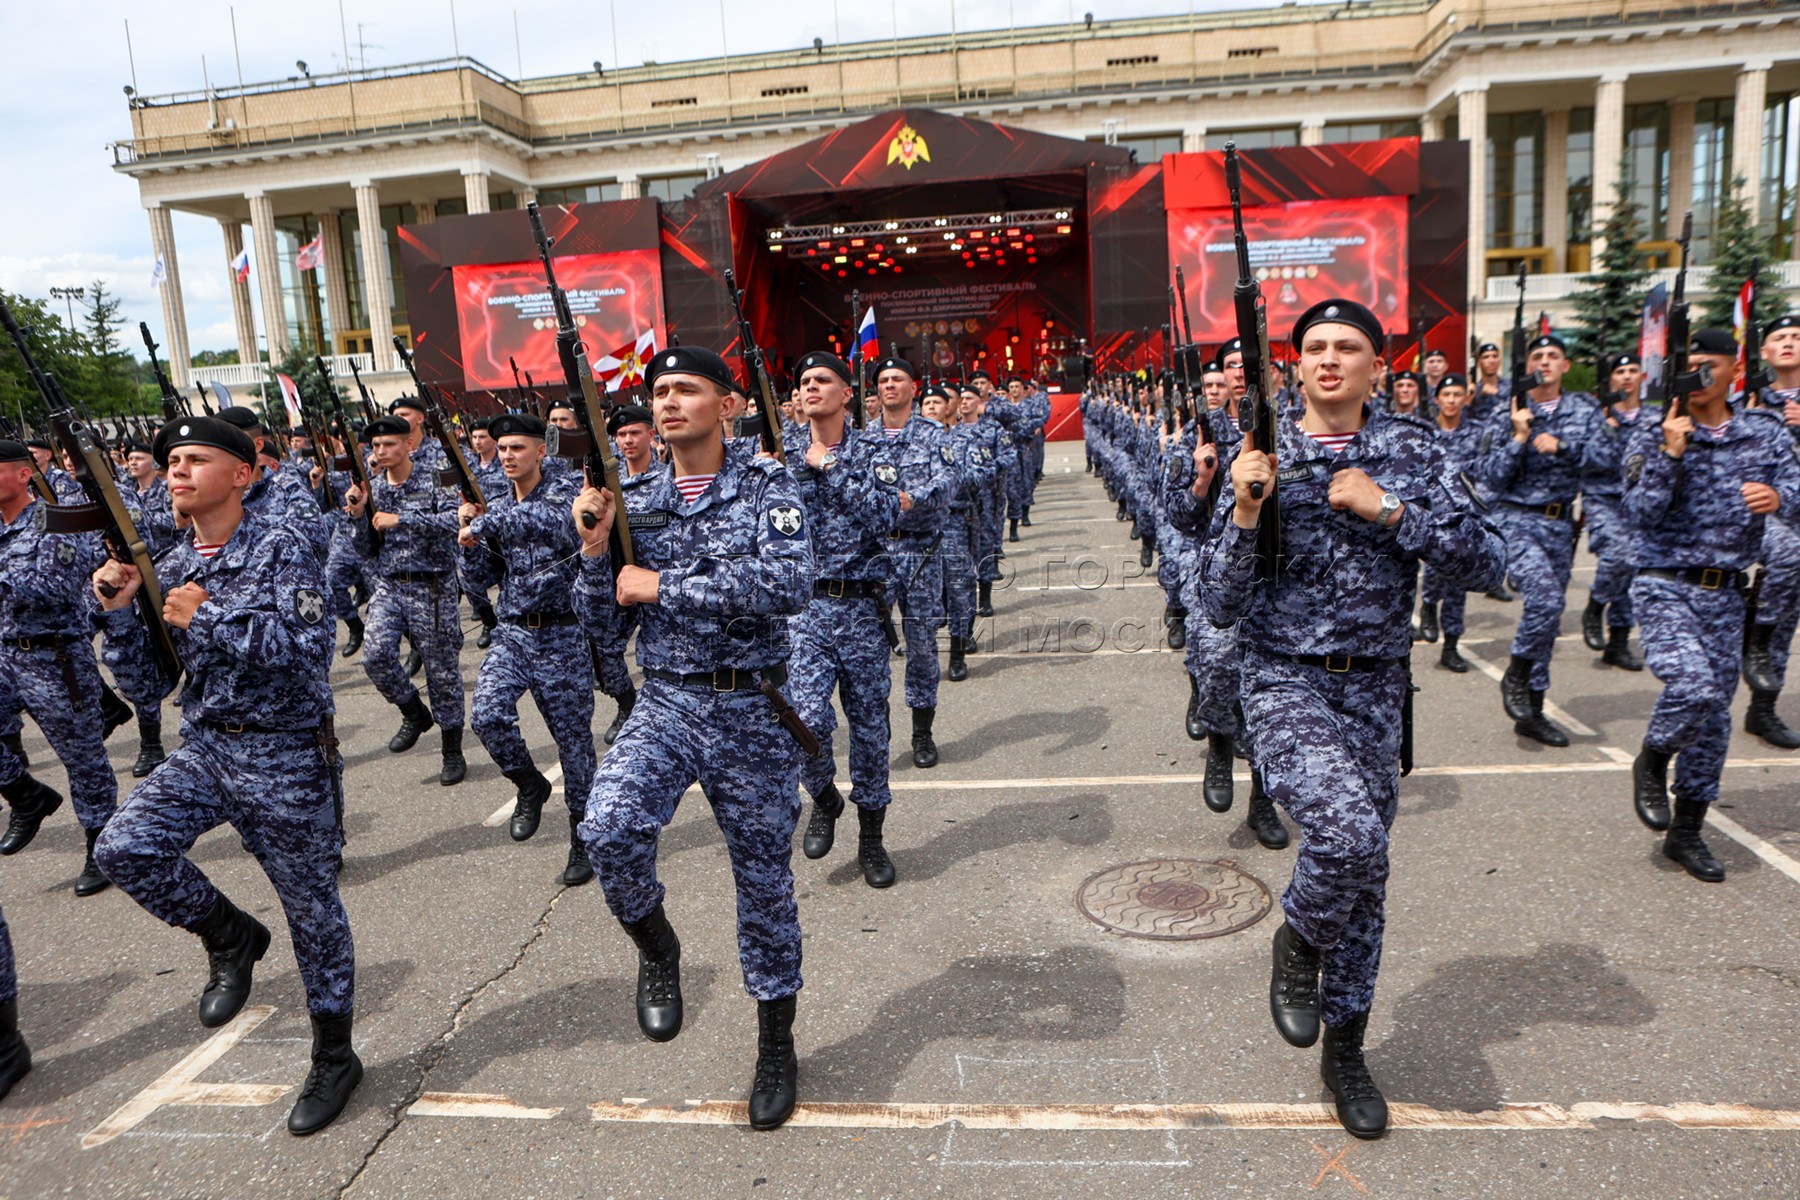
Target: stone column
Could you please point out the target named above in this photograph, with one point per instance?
(1431, 127)
(475, 190)
(426, 210)
(377, 288)
(266, 265)
(1556, 188)
(337, 290)
(1193, 139)
(1681, 165)
(243, 317)
(1609, 152)
(1312, 132)
(1471, 118)
(527, 195)
(1747, 126)
(162, 241)
(630, 187)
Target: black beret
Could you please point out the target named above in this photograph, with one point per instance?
(1452, 380)
(980, 373)
(1397, 376)
(1547, 341)
(1234, 346)
(1713, 341)
(1437, 354)
(11, 451)
(216, 432)
(133, 446)
(1790, 321)
(1339, 312)
(938, 390)
(1485, 347)
(690, 360)
(893, 363)
(1212, 367)
(826, 359)
(516, 425)
(239, 417)
(629, 414)
(407, 401)
(38, 443)
(1623, 360)
(388, 426)
(478, 423)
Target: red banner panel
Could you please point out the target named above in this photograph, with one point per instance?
(1301, 252)
(504, 314)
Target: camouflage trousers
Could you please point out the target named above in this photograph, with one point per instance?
(609, 651)
(429, 614)
(551, 663)
(747, 767)
(838, 645)
(984, 540)
(140, 680)
(1213, 662)
(1609, 540)
(1328, 746)
(1540, 553)
(9, 975)
(1778, 602)
(280, 791)
(1451, 600)
(59, 686)
(344, 569)
(1692, 641)
(919, 583)
(959, 574)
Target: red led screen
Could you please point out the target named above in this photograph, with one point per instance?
(503, 312)
(1302, 252)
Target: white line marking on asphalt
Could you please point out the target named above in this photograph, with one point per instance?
(178, 1084)
(475, 1104)
(1757, 846)
(1556, 713)
(498, 817)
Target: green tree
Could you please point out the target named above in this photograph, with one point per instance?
(57, 351)
(1738, 248)
(315, 395)
(214, 358)
(108, 370)
(1609, 308)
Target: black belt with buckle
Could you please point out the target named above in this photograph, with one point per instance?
(247, 727)
(728, 679)
(541, 620)
(914, 534)
(850, 589)
(46, 642)
(1556, 510)
(416, 576)
(1342, 664)
(1710, 578)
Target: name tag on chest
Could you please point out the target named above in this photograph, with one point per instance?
(651, 520)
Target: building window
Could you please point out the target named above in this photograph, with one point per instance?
(1135, 60)
(580, 193)
(1515, 172)
(1581, 177)
(1256, 139)
(1369, 131)
(674, 187)
(393, 216)
(1712, 170)
(1147, 147)
(1781, 172)
(1647, 163)
(302, 292)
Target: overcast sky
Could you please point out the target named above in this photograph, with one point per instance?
(66, 217)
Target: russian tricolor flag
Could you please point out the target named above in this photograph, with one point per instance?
(866, 342)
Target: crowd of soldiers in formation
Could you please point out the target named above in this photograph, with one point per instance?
(758, 588)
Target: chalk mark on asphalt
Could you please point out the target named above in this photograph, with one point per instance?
(179, 1084)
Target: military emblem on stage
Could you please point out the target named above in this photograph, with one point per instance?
(908, 148)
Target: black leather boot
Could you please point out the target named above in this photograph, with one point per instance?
(1025, 516)
(1195, 729)
(335, 1073)
(984, 603)
(1262, 819)
(114, 712)
(1136, 531)
(1147, 550)
(456, 767)
(92, 880)
(959, 664)
(1294, 988)
(659, 975)
(925, 752)
(776, 1086)
(31, 802)
(821, 827)
(534, 789)
(871, 851)
(1361, 1108)
(235, 942)
(16, 743)
(15, 1055)
(1684, 844)
(415, 662)
(1759, 667)
(1503, 594)
(1176, 621)
(1428, 621)
(150, 748)
(1593, 625)
(1012, 530)
(1121, 515)
(1538, 727)
(1618, 650)
(1650, 787)
(354, 642)
(415, 719)
(1515, 688)
(1216, 788)
(1762, 720)
(484, 613)
(578, 870)
(1451, 659)
(626, 701)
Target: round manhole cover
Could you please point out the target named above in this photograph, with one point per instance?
(1174, 899)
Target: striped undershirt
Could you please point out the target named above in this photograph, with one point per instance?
(208, 549)
(893, 431)
(1549, 407)
(1714, 430)
(690, 486)
(1334, 442)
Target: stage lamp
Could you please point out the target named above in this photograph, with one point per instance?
(892, 225)
(1063, 215)
(841, 258)
(996, 218)
(941, 221)
(900, 241)
(912, 249)
(837, 229)
(854, 241)
(774, 235)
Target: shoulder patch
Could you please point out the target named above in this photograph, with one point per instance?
(1634, 468)
(309, 606)
(786, 520)
(949, 453)
(1487, 441)
(887, 472)
(65, 553)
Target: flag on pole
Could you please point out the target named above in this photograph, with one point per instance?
(312, 255)
(1741, 315)
(158, 273)
(1653, 335)
(1543, 323)
(624, 367)
(240, 266)
(223, 395)
(867, 344)
(290, 393)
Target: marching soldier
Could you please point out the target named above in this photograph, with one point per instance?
(484, 464)
(1607, 620)
(633, 431)
(966, 456)
(247, 609)
(1443, 604)
(718, 574)
(1778, 587)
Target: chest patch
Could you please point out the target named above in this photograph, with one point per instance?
(65, 553)
(887, 473)
(786, 520)
(309, 606)
(1634, 468)
(650, 520)
(949, 454)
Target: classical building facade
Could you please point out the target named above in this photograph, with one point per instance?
(1562, 99)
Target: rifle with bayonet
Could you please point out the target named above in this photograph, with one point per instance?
(1678, 380)
(856, 360)
(370, 410)
(173, 404)
(758, 369)
(1756, 375)
(601, 465)
(1523, 378)
(205, 404)
(458, 473)
(317, 432)
(1256, 412)
(354, 462)
(46, 389)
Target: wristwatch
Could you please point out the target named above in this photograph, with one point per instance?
(829, 461)
(1390, 504)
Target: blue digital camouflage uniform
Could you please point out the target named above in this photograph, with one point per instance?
(1690, 513)
(1462, 448)
(1211, 655)
(417, 592)
(47, 653)
(1017, 419)
(1037, 406)
(490, 477)
(1328, 739)
(838, 643)
(139, 680)
(538, 646)
(609, 647)
(254, 753)
(966, 455)
(282, 498)
(1778, 597)
(1602, 499)
(1534, 509)
(734, 565)
(915, 548)
(990, 502)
